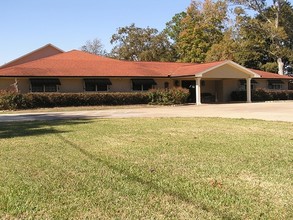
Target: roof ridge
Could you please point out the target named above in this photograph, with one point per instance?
(33, 61)
(95, 55)
(57, 55)
(29, 53)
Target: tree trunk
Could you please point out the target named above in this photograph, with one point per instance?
(280, 66)
(277, 6)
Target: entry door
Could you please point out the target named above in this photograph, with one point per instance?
(190, 85)
(219, 91)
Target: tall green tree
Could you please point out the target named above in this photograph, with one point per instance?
(202, 27)
(251, 44)
(226, 49)
(269, 30)
(141, 44)
(175, 27)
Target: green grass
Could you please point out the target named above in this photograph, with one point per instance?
(189, 168)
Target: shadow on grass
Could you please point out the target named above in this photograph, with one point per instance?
(34, 128)
(148, 183)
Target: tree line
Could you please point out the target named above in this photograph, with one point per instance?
(253, 33)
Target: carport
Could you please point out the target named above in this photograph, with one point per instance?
(226, 77)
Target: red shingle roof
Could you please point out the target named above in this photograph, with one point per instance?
(76, 63)
(194, 69)
(267, 75)
(42, 52)
(81, 64)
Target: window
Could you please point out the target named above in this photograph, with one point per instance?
(176, 83)
(242, 86)
(275, 84)
(290, 85)
(166, 85)
(44, 84)
(96, 84)
(142, 84)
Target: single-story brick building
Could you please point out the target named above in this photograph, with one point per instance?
(49, 69)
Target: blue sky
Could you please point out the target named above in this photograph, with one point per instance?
(29, 24)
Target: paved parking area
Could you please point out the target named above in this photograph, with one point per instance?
(272, 111)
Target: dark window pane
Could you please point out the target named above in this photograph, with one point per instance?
(37, 88)
(102, 87)
(50, 88)
(142, 84)
(89, 87)
(98, 81)
(275, 86)
(147, 87)
(136, 87)
(166, 85)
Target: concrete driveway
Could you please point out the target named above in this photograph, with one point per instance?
(272, 111)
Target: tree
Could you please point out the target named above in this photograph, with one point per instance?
(175, 27)
(141, 44)
(226, 49)
(251, 48)
(201, 28)
(94, 47)
(271, 24)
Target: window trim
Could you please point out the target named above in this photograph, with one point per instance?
(97, 83)
(44, 82)
(143, 83)
(275, 84)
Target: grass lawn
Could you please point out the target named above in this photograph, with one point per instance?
(171, 168)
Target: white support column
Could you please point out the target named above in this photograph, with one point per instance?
(248, 90)
(197, 91)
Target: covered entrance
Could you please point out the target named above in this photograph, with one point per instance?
(210, 90)
(216, 83)
(190, 85)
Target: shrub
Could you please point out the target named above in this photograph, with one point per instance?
(263, 95)
(290, 95)
(238, 96)
(168, 96)
(38, 100)
(268, 95)
(11, 100)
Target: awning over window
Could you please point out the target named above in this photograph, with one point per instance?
(144, 82)
(45, 81)
(275, 81)
(243, 81)
(98, 81)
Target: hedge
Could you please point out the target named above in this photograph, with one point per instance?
(168, 96)
(263, 95)
(10, 100)
(39, 100)
(13, 101)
